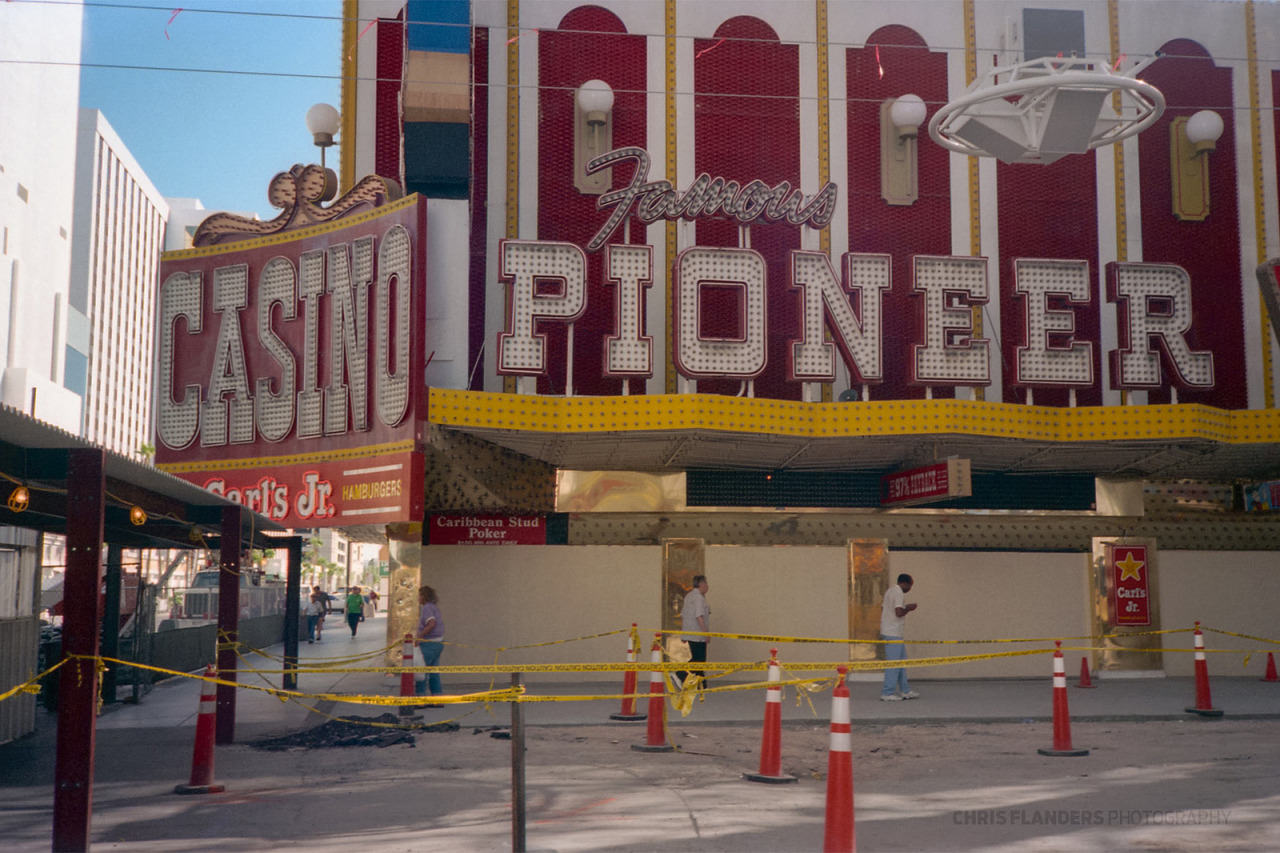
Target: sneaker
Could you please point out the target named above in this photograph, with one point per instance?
(911, 694)
(890, 697)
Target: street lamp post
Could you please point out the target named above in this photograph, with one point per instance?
(322, 123)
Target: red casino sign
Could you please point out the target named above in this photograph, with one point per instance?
(1131, 590)
(290, 369)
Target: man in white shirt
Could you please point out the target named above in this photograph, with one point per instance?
(695, 615)
(893, 621)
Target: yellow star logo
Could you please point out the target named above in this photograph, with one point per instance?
(1130, 568)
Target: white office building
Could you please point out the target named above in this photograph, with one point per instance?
(119, 234)
(39, 91)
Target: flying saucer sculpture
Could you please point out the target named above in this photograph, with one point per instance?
(1044, 109)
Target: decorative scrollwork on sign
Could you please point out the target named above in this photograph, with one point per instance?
(298, 193)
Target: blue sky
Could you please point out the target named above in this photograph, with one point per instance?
(219, 137)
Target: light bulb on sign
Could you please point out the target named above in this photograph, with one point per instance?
(19, 499)
(908, 113)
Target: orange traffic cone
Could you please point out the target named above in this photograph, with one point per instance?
(1204, 702)
(1271, 669)
(1085, 681)
(657, 736)
(628, 712)
(1061, 716)
(771, 736)
(406, 677)
(838, 836)
(202, 756)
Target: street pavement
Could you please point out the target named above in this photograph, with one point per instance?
(453, 792)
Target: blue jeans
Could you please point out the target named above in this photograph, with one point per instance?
(895, 680)
(431, 650)
(311, 627)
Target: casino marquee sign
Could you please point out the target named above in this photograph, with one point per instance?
(290, 367)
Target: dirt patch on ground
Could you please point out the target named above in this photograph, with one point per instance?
(382, 731)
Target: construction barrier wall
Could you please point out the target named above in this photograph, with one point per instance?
(1231, 590)
(504, 597)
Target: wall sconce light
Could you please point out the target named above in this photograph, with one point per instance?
(1191, 139)
(19, 499)
(900, 120)
(323, 122)
(592, 135)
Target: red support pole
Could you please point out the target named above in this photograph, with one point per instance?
(628, 711)
(228, 623)
(1204, 702)
(81, 626)
(656, 740)
(838, 836)
(293, 597)
(1061, 714)
(771, 734)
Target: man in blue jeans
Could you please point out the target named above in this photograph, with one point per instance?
(893, 621)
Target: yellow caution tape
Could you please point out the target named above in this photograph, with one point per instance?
(32, 684)
(612, 633)
(770, 638)
(1241, 636)
(695, 687)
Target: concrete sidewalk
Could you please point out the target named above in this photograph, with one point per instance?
(589, 791)
(174, 702)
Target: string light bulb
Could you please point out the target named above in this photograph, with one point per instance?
(19, 499)
(137, 516)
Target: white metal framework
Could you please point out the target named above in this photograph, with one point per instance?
(1043, 109)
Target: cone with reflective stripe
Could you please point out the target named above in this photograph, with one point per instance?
(657, 735)
(771, 736)
(838, 836)
(202, 756)
(628, 712)
(1204, 702)
(1271, 669)
(1085, 680)
(1061, 715)
(406, 677)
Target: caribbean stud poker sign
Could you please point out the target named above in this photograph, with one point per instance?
(1131, 589)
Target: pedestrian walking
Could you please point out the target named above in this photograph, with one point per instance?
(315, 613)
(893, 621)
(430, 635)
(695, 615)
(355, 608)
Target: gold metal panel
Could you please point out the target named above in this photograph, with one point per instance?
(1260, 230)
(619, 491)
(681, 560)
(1132, 649)
(405, 551)
(1190, 175)
(868, 580)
